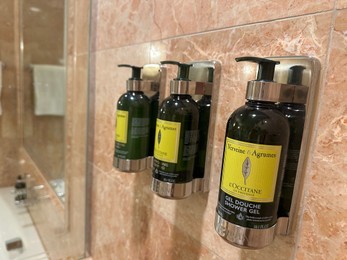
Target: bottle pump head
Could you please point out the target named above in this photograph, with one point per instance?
(133, 83)
(210, 74)
(264, 88)
(295, 78)
(295, 75)
(180, 84)
(266, 67)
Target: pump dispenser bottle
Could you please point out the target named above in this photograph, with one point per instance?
(255, 148)
(295, 112)
(176, 139)
(204, 105)
(154, 105)
(133, 126)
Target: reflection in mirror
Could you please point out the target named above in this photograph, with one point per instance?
(44, 86)
(43, 133)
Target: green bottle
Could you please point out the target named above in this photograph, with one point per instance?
(176, 139)
(132, 126)
(295, 112)
(154, 105)
(255, 149)
(204, 105)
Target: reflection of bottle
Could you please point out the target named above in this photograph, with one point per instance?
(176, 139)
(295, 113)
(254, 155)
(154, 105)
(20, 189)
(132, 126)
(204, 105)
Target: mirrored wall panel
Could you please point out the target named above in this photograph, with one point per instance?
(43, 46)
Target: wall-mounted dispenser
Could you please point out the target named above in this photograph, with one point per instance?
(256, 148)
(176, 138)
(177, 171)
(135, 118)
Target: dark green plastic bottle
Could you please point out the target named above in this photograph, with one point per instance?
(154, 105)
(204, 105)
(255, 149)
(133, 126)
(176, 139)
(295, 112)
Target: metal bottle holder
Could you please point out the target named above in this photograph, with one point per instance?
(310, 79)
(201, 83)
(153, 77)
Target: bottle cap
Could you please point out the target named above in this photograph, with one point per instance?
(210, 74)
(134, 82)
(180, 84)
(264, 88)
(295, 78)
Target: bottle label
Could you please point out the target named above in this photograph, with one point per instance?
(248, 183)
(250, 170)
(167, 139)
(122, 126)
(136, 141)
(182, 171)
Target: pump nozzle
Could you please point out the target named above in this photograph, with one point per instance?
(136, 71)
(295, 75)
(183, 69)
(266, 68)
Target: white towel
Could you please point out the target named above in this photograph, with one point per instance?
(49, 89)
(1, 67)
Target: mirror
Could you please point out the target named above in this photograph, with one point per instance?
(44, 55)
(43, 46)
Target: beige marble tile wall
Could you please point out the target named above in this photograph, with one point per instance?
(324, 230)
(8, 118)
(127, 220)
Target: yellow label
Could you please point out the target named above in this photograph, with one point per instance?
(167, 138)
(122, 126)
(250, 170)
